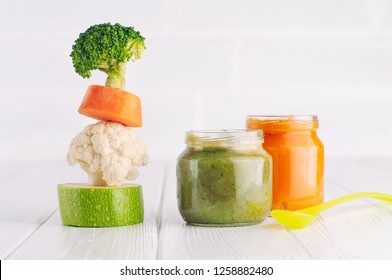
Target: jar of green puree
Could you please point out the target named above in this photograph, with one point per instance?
(224, 178)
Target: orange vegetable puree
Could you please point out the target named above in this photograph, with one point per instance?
(297, 157)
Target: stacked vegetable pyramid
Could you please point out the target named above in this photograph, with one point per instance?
(108, 151)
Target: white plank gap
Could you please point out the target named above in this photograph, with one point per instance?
(160, 208)
(55, 241)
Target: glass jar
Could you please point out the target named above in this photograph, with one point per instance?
(298, 159)
(224, 178)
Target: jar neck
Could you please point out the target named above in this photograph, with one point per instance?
(254, 148)
(224, 139)
(282, 124)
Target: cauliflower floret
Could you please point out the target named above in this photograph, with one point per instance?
(109, 152)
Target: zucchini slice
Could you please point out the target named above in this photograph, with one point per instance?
(83, 205)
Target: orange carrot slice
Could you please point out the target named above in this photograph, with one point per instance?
(112, 104)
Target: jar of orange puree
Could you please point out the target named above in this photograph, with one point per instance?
(297, 159)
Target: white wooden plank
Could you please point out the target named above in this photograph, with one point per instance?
(363, 232)
(358, 229)
(28, 197)
(181, 241)
(55, 241)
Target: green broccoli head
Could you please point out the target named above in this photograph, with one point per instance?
(108, 48)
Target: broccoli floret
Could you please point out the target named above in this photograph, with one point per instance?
(108, 48)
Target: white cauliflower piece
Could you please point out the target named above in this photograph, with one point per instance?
(109, 152)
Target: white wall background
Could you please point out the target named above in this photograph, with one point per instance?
(208, 64)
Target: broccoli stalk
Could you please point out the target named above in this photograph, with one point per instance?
(108, 48)
(116, 75)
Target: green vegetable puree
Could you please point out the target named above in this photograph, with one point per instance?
(219, 186)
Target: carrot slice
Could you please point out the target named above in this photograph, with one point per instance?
(112, 104)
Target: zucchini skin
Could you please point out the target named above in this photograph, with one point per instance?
(83, 205)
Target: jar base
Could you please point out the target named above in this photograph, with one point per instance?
(225, 225)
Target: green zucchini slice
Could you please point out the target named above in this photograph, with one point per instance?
(83, 205)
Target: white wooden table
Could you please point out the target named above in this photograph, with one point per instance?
(30, 225)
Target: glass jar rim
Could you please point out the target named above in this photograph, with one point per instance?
(224, 136)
